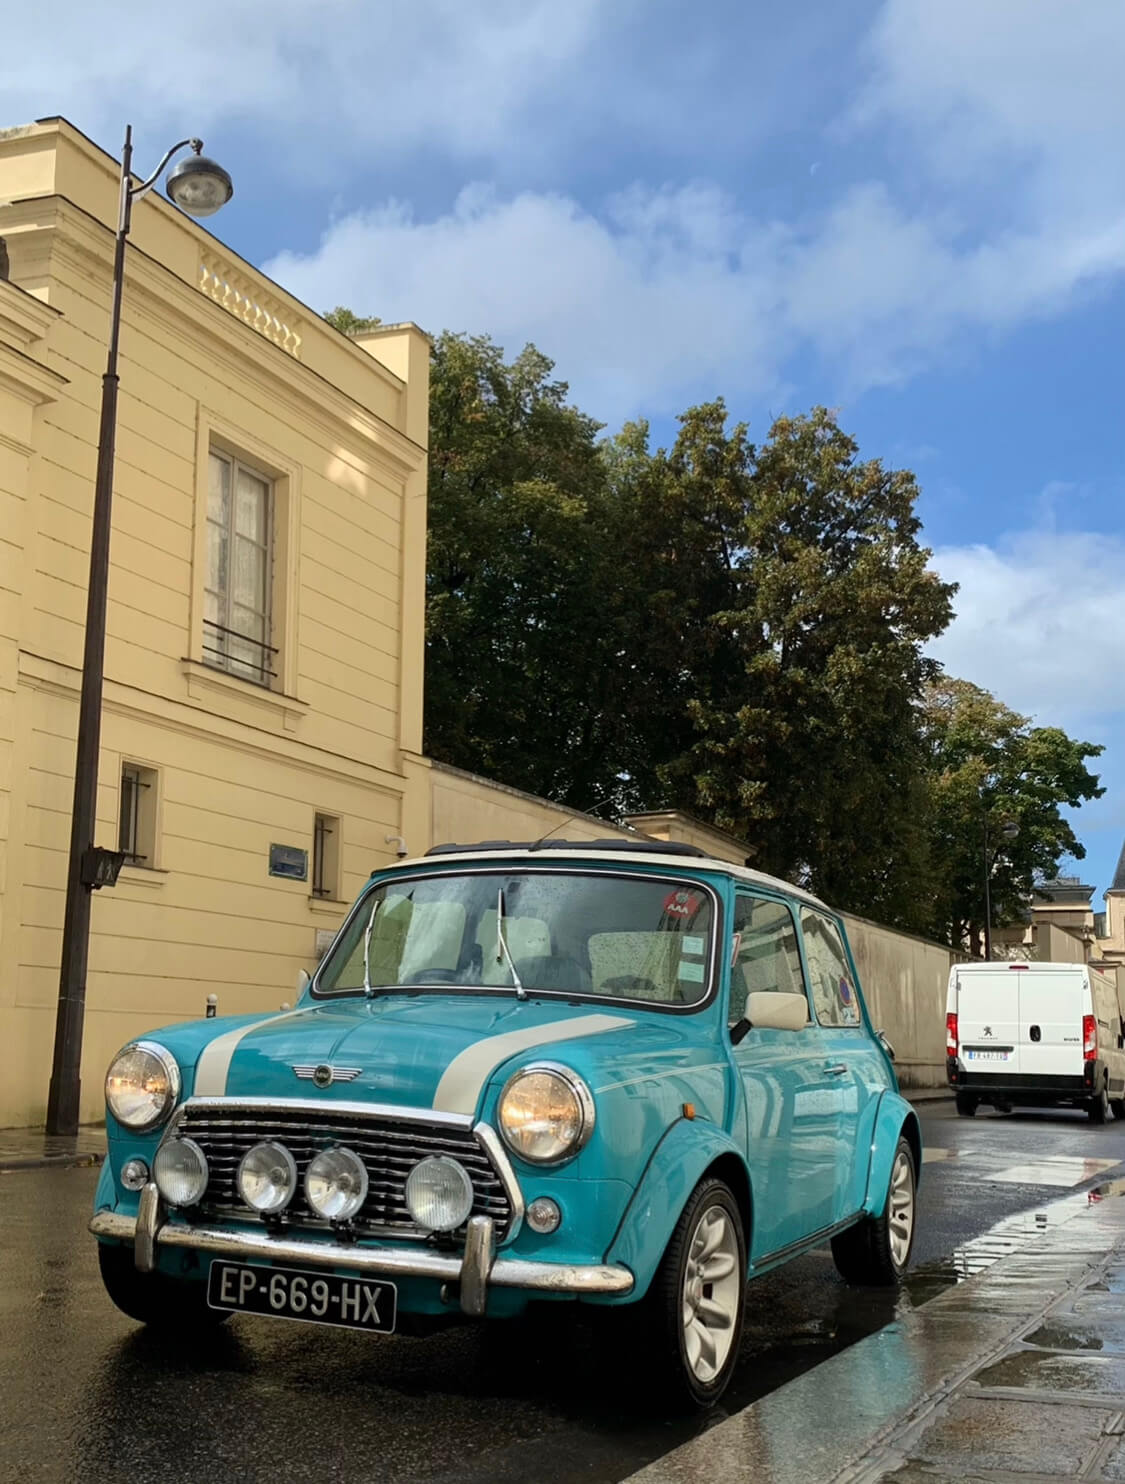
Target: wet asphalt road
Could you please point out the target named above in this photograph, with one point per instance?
(87, 1395)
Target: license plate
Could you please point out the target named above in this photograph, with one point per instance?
(987, 1055)
(290, 1293)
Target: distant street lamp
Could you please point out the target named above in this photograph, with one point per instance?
(200, 187)
(1008, 831)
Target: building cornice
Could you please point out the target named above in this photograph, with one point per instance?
(169, 301)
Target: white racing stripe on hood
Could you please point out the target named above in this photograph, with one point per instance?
(214, 1063)
(461, 1083)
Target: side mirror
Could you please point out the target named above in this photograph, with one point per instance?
(303, 981)
(769, 1010)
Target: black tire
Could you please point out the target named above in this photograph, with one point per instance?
(1118, 1106)
(867, 1254)
(658, 1317)
(966, 1105)
(1098, 1106)
(154, 1299)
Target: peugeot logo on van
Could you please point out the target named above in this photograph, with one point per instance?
(987, 1031)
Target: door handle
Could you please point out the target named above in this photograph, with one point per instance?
(839, 1070)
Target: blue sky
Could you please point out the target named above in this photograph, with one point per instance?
(911, 211)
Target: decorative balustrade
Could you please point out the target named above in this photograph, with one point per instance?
(240, 295)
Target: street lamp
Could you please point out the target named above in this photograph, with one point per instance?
(1008, 831)
(200, 187)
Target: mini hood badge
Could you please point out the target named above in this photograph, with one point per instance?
(321, 1074)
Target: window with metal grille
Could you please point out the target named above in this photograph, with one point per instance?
(136, 830)
(236, 615)
(326, 856)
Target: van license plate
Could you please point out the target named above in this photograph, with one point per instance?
(288, 1293)
(987, 1055)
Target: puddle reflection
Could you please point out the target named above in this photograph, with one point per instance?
(1002, 1240)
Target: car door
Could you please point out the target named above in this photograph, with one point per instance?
(853, 1064)
(790, 1104)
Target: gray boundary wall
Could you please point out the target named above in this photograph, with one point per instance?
(904, 981)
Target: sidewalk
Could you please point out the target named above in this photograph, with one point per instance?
(1017, 1374)
(927, 1094)
(32, 1149)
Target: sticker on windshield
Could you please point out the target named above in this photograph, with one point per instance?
(692, 971)
(682, 904)
(694, 945)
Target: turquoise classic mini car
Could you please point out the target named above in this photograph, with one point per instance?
(615, 1073)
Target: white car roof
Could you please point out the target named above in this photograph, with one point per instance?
(634, 857)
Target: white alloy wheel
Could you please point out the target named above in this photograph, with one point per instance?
(900, 1216)
(711, 1293)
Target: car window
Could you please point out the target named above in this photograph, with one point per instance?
(765, 955)
(833, 988)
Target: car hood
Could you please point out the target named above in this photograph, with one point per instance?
(421, 1051)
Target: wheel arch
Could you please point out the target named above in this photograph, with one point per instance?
(895, 1119)
(733, 1173)
(689, 1152)
(912, 1133)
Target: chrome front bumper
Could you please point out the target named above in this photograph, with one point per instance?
(475, 1270)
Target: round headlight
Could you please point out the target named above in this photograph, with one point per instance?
(142, 1085)
(439, 1193)
(180, 1172)
(546, 1114)
(267, 1178)
(336, 1184)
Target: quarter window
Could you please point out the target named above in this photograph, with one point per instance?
(766, 957)
(236, 614)
(833, 988)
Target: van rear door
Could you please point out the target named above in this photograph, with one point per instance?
(1051, 1008)
(988, 1020)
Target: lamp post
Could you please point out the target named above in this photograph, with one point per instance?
(1008, 831)
(200, 187)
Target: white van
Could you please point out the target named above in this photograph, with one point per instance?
(1035, 1034)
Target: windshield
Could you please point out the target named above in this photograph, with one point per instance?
(610, 937)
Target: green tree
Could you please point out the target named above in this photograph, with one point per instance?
(987, 765)
(348, 323)
(807, 738)
(514, 622)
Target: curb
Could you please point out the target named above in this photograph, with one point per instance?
(919, 1364)
(49, 1162)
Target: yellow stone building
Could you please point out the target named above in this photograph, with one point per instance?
(265, 625)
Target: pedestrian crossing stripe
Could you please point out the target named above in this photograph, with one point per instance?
(1056, 1169)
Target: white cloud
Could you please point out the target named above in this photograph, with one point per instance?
(643, 306)
(1028, 89)
(665, 295)
(1040, 617)
(980, 179)
(330, 80)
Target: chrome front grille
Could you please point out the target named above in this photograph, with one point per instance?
(389, 1146)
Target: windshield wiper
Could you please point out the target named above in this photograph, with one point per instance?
(502, 952)
(367, 987)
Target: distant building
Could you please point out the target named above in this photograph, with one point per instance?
(1111, 936)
